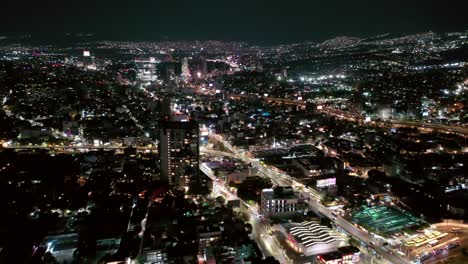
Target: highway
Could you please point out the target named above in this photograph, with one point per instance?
(451, 129)
(82, 147)
(277, 177)
(463, 131)
(353, 230)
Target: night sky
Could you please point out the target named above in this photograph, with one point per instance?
(253, 20)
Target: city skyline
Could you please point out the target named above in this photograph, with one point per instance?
(213, 132)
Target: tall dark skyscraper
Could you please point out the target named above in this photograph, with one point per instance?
(204, 67)
(179, 152)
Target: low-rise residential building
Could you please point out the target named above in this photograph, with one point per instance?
(279, 201)
(312, 167)
(239, 176)
(207, 235)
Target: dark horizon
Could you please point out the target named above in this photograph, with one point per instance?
(79, 37)
(266, 22)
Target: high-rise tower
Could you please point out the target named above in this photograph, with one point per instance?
(146, 69)
(185, 69)
(179, 152)
(204, 67)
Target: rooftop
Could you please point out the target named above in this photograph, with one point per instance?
(311, 233)
(279, 192)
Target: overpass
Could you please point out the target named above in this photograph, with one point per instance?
(204, 150)
(451, 129)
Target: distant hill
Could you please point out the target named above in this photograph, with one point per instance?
(339, 42)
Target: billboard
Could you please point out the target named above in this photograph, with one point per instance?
(326, 182)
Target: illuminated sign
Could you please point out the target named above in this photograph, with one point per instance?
(326, 182)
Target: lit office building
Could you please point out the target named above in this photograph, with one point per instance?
(146, 69)
(88, 60)
(185, 69)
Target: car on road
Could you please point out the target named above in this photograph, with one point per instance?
(452, 245)
(437, 251)
(425, 257)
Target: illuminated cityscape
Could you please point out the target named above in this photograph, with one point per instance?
(270, 132)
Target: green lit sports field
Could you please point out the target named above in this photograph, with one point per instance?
(384, 219)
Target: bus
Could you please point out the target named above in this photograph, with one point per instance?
(433, 242)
